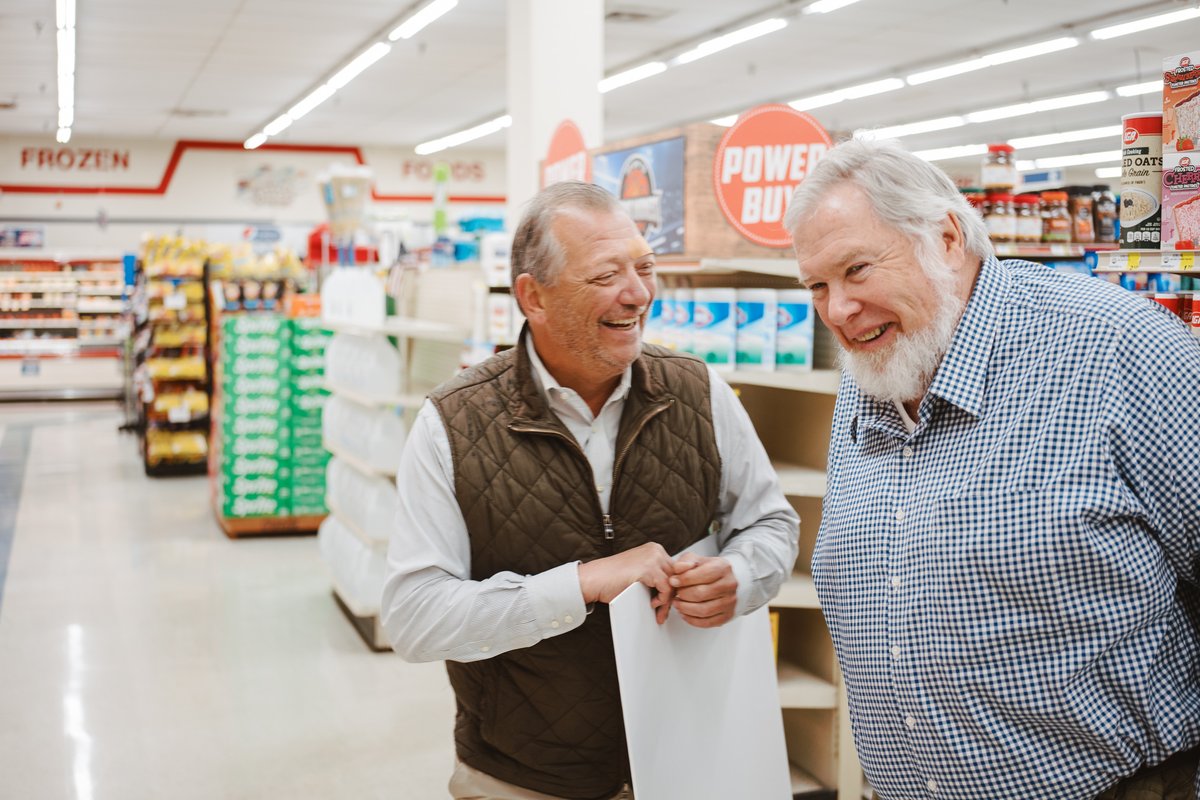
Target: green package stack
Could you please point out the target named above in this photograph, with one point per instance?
(271, 371)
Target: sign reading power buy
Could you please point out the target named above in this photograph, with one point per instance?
(759, 162)
(567, 159)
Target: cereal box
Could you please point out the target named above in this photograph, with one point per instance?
(1181, 102)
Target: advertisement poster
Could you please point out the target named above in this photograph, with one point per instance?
(649, 182)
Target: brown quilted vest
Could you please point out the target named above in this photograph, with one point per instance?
(548, 717)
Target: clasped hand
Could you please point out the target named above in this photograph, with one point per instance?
(702, 589)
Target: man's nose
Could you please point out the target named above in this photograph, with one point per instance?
(638, 290)
(840, 307)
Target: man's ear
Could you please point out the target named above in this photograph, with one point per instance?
(953, 242)
(529, 295)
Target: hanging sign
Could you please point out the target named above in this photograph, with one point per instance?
(759, 162)
(567, 159)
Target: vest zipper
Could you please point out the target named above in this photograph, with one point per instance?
(570, 440)
(609, 535)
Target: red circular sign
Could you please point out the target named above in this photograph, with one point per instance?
(759, 162)
(567, 159)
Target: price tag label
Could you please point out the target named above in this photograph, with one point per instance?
(175, 301)
(179, 414)
(1183, 261)
(1135, 261)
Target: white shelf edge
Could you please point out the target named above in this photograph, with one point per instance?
(798, 591)
(802, 781)
(797, 481)
(819, 381)
(355, 608)
(38, 324)
(783, 267)
(356, 462)
(389, 401)
(799, 688)
(1117, 261)
(91, 291)
(378, 545)
(406, 327)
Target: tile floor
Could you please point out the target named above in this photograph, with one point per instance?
(145, 655)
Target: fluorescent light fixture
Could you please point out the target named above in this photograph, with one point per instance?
(849, 93)
(462, 137)
(255, 141)
(1027, 142)
(356, 67)
(631, 76)
(1049, 104)
(825, 6)
(725, 122)
(818, 100)
(874, 87)
(958, 151)
(277, 125)
(63, 136)
(64, 14)
(1134, 89)
(66, 51)
(418, 21)
(992, 59)
(910, 128)
(311, 101)
(1108, 172)
(728, 40)
(66, 117)
(1073, 161)
(66, 91)
(1145, 24)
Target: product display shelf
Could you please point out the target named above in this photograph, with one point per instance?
(405, 327)
(356, 462)
(1063, 250)
(365, 621)
(792, 412)
(1183, 262)
(410, 400)
(57, 340)
(237, 528)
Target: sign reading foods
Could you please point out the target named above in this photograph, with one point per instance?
(759, 162)
(567, 159)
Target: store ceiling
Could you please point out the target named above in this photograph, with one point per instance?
(221, 69)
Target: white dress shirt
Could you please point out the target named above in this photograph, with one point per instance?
(431, 608)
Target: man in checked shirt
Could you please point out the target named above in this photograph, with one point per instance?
(1009, 552)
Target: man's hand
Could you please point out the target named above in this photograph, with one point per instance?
(605, 578)
(705, 590)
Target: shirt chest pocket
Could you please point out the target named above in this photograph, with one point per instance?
(1019, 575)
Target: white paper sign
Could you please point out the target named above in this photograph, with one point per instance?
(702, 713)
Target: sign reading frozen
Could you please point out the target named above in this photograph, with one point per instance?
(648, 179)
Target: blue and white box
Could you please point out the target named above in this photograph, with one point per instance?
(685, 306)
(714, 327)
(757, 321)
(794, 333)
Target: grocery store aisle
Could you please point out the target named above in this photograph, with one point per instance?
(145, 655)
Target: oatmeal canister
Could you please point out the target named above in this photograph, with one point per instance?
(1141, 181)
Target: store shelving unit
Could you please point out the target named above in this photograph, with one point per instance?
(172, 364)
(793, 412)
(1183, 262)
(63, 323)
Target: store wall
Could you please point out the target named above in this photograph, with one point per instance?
(104, 194)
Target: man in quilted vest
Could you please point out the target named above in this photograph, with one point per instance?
(538, 485)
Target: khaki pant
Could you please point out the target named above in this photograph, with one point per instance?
(1173, 779)
(468, 783)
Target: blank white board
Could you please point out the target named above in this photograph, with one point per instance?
(702, 713)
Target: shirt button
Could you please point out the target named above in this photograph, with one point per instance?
(895, 651)
(896, 582)
(568, 619)
(910, 721)
(932, 785)
(554, 623)
(484, 649)
(599, 488)
(908, 451)
(900, 514)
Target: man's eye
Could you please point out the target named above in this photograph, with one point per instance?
(856, 268)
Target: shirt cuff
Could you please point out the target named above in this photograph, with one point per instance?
(745, 581)
(556, 599)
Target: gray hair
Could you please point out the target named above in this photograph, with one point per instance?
(906, 192)
(535, 248)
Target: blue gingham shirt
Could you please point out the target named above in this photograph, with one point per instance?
(1013, 588)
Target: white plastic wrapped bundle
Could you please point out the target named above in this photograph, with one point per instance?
(358, 570)
(367, 504)
(373, 436)
(368, 365)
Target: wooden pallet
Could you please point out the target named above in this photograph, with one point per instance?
(268, 526)
(369, 628)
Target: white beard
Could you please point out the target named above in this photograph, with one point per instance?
(905, 370)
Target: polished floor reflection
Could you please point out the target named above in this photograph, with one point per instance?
(145, 655)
